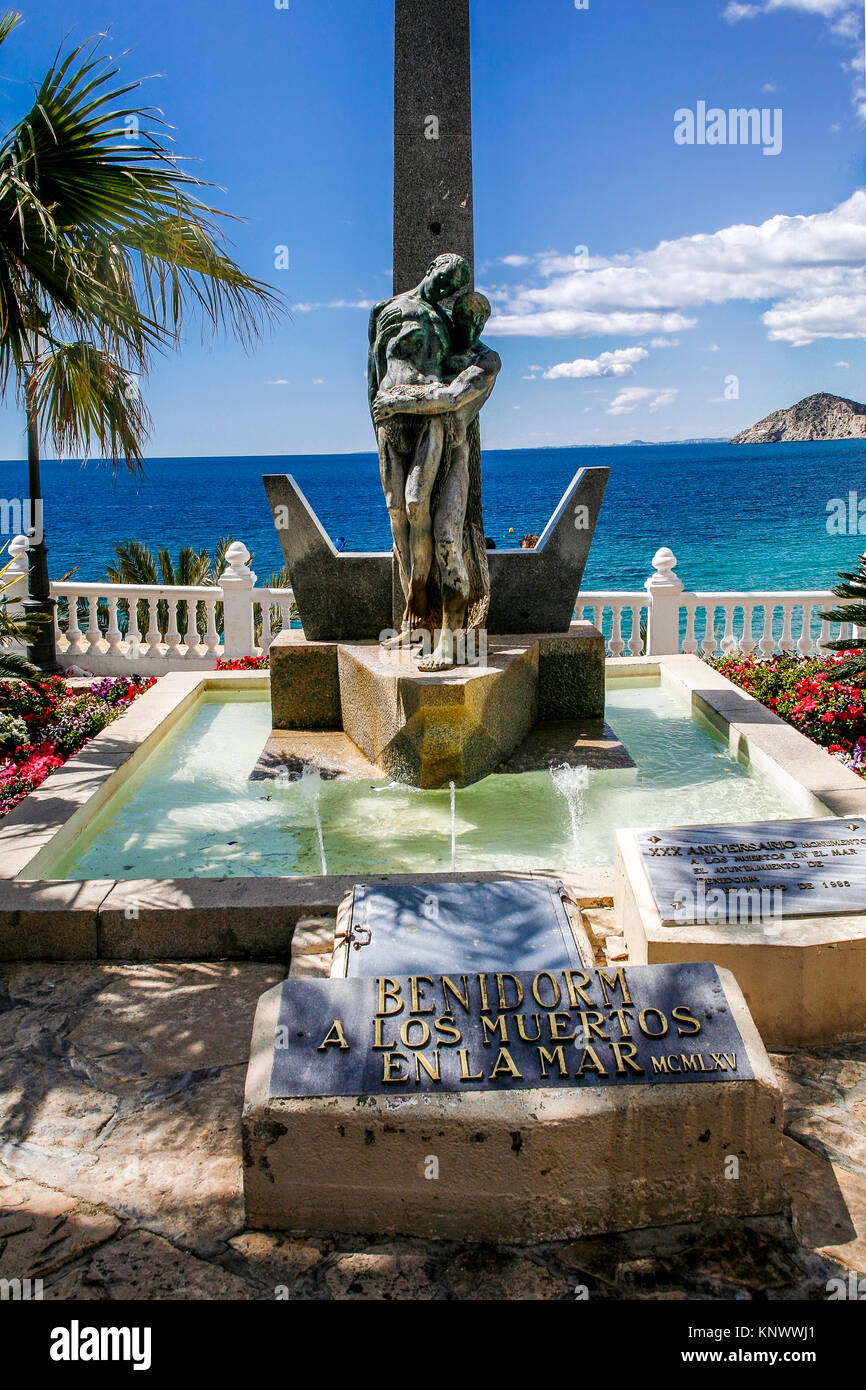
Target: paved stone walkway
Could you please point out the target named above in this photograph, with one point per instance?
(120, 1100)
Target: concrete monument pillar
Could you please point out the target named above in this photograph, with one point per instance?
(432, 136)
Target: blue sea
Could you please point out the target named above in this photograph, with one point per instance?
(736, 517)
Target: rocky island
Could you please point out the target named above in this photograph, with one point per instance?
(821, 416)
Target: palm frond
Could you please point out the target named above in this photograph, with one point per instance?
(218, 568)
(107, 238)
(9, 21)
(84, 398)
(18, 668)
(135, 564)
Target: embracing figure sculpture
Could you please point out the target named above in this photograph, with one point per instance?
(429, 375)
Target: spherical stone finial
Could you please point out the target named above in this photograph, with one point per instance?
(237, 561)
(19, 545)
(664, 561)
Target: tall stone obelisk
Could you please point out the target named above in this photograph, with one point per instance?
(432, 136)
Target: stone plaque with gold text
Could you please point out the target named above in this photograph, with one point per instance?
(638, 1026)
(759, 872)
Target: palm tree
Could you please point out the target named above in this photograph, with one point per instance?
(136, 564)
(853, 588)
(104, 247)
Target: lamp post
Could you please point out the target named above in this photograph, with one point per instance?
(39, 604)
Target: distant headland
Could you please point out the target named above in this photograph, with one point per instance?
(821, 416)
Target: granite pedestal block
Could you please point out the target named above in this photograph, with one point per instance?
(431, 728)
(305, 683)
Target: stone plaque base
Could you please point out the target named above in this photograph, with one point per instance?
(515, 1165)
(803, 978)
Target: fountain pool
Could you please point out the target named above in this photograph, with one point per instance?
(190, 810)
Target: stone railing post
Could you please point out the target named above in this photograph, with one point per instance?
(664, 589)
(16, 573)
(237, 584)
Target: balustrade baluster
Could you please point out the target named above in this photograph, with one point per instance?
(211, 636)
(113, 635)
(172, 633)
(747, 641)
(616, 630)
(154, 650)
(635, 643)
(708, 641)
(804, 641)
(786, 641)
(768, 642)
(689, 640)
(73, 631)
(824, 636)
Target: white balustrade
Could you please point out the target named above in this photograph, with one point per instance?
(624, 610)
(786, 623)
(100, 625)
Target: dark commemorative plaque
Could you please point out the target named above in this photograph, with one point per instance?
(517, 924)
(646, 1025)
(759, 872)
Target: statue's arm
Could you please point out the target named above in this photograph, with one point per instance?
(372, 336)
(473, 383)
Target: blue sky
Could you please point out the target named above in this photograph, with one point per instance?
(717, 282)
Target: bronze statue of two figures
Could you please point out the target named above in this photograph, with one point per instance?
(429, 374)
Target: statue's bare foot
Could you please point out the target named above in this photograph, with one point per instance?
(441, 658)
(403, 641)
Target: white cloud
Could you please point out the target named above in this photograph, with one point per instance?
(664, 342)
(280, 381)
(620, 362)
(514, 260)
(809, 268)
(307, 308)
(737, 11)
(845, 18)
(632, 397)
(568, 323)
(829, 9)
(841, 364)
(666, 397)
(804, 318)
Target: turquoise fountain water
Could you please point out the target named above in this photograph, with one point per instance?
(571, 783)
(190, 810)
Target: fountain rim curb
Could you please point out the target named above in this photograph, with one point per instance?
(243, 918)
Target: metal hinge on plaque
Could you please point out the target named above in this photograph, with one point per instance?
(560, 897)
(358, 934)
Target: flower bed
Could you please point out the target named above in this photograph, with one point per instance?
(805, 694)
(43, 725)
(245, 663)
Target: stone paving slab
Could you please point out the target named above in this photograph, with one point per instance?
(120, 1098)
